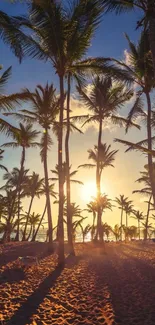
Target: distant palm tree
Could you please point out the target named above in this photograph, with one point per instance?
(52, 194)
(14, 191)
(121, 201)
(56, 172)
(128, 208)
(117, 231)
(33, 221)
(146, 7)
(32, 188)
(24, 139)
(85, 230)
(92, 208)
(139, 217)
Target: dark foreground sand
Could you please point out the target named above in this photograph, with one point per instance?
(94, 288)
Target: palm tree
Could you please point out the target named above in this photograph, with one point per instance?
(140, 69)
(56, 172)
(128, 208)
(9, 102)
(61, 35)
(52, 194)
(14, 192)
(92, 208)
(1, 158)
(117, 231)
(85, 230)
(104, 100)
(33, 221)
(32, 188)
(24, 139)
(11, 35)
(146, 7)
(138, 216)
(45, 106)
(121, 201)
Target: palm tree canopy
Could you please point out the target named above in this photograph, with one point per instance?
(24, 137)
(104, 100)
(61, 33)
(33, 186)
(64, 173)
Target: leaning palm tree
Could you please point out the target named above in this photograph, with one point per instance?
(24, 138)
(45, 106)
(139, 217)
(32, 189)
(121, 201)
(146, 7)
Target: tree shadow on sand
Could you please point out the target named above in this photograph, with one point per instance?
(30, 306)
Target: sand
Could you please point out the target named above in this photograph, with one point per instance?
(116, 287)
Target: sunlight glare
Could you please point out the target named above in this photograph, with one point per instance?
(88, 191)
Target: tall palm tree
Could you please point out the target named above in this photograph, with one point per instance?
(140, 69)
(45, 108)
(62, 35)
(24, 139)
(32, 188)
(104, 100)
(121, 201)
(146, 7)
(139, 217)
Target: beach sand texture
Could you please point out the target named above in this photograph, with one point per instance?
(95, 287)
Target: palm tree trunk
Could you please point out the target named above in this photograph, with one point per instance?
(126, 220)
(152, 36)
(36, 232)
(121, 223)
(98, 185)
(27, 219)
(139, 228)
(149, 135)
(68, 189)
(19, 189)
(61, 256)
(48, 203)
(147, 217)
(29, 234)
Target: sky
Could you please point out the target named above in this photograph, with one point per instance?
(109, 41)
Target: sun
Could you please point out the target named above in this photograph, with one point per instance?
(88, 191)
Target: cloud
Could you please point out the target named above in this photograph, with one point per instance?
(127, 57)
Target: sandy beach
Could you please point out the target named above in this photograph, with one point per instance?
(116, 287)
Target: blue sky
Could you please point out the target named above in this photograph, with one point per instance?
(108, 41)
